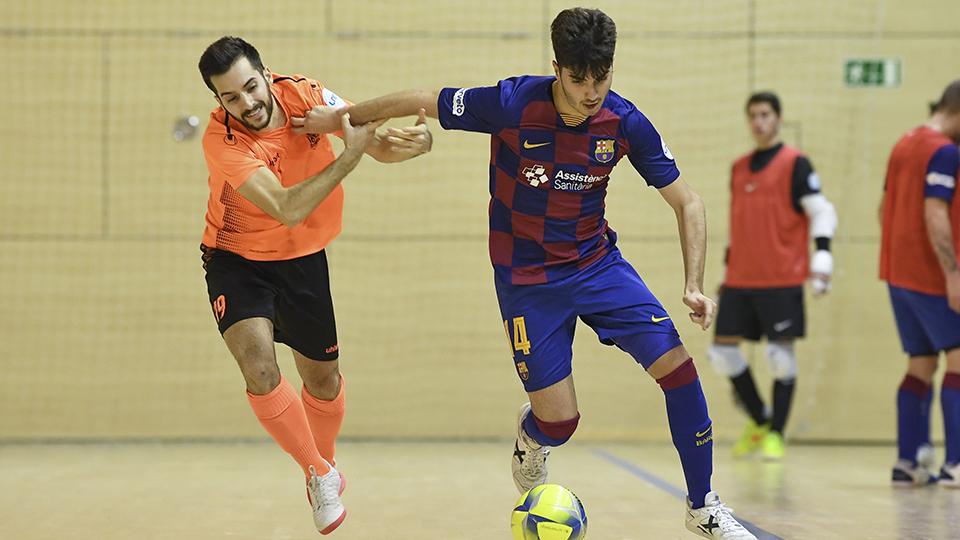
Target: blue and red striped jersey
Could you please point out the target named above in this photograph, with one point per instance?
(548, 181)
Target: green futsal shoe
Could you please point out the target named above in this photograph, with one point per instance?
(772, 446)
(750, 440)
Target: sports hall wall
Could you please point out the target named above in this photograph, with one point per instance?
(106, 331)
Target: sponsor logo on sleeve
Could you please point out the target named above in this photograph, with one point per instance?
(940, 179)
(331, 99)
(666, 149)
(458, 107)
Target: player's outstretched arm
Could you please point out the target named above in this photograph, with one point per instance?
(936, 212)
(291, 205)
(692, 222)
(396, 105)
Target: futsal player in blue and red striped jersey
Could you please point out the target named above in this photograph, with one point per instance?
(554, 142)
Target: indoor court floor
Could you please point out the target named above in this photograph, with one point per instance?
(444, 491)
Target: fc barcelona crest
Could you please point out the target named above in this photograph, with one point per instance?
(522, 370)
(605, 150)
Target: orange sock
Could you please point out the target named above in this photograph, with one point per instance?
(282, 415)
(325, 418)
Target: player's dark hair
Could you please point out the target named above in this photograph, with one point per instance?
(223, 53)
(764, 97)
(584, 41)
(949, 101)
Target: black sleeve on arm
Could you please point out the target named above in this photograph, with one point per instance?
(801, 184)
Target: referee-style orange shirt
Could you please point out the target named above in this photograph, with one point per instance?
(232, 153)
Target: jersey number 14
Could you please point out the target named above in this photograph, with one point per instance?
(519, 341)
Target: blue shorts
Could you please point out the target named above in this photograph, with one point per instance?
(926, 323)
(608, 296)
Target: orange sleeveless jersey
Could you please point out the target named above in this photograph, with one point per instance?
(232, 153)
(768, 237)
(907, 259)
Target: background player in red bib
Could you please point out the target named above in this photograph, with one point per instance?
(775, 207)
(554, 142)
(920, 219)
(275, 203)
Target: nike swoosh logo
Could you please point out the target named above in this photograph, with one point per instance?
(701, 434)
(528, 146)
(656, 319)
(782, 325)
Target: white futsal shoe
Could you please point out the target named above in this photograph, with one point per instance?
(950, 475)
(906, 474)
(529, 463)
(324, 492)
(715, 521)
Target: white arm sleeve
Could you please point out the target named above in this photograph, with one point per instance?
(822, 214)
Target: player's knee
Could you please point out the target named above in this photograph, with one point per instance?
(782, 360)
(260, 372)
(727, 360)
(557, 432)
(323, 385)
(923, 367)
(261, 380)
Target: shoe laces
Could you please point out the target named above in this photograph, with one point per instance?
(325, 492)
(536, 460)
(724, 515)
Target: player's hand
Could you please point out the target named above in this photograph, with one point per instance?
(953, 290)
(821, 270)
(820, 284)
(703, 308)
(317, 120)
(356, 138)
(410, 141)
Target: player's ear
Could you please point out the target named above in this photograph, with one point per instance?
(556, 69)
(267, 76)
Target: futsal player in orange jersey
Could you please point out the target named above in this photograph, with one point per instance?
(275, 204)
(775, 207)
(920, 218)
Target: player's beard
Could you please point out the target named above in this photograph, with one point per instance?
(268, 108)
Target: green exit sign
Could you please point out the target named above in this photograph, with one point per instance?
(872, 72)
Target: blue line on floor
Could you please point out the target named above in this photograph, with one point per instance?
(667, 487)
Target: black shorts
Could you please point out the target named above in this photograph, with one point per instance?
(294, 294)
(753, 313)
